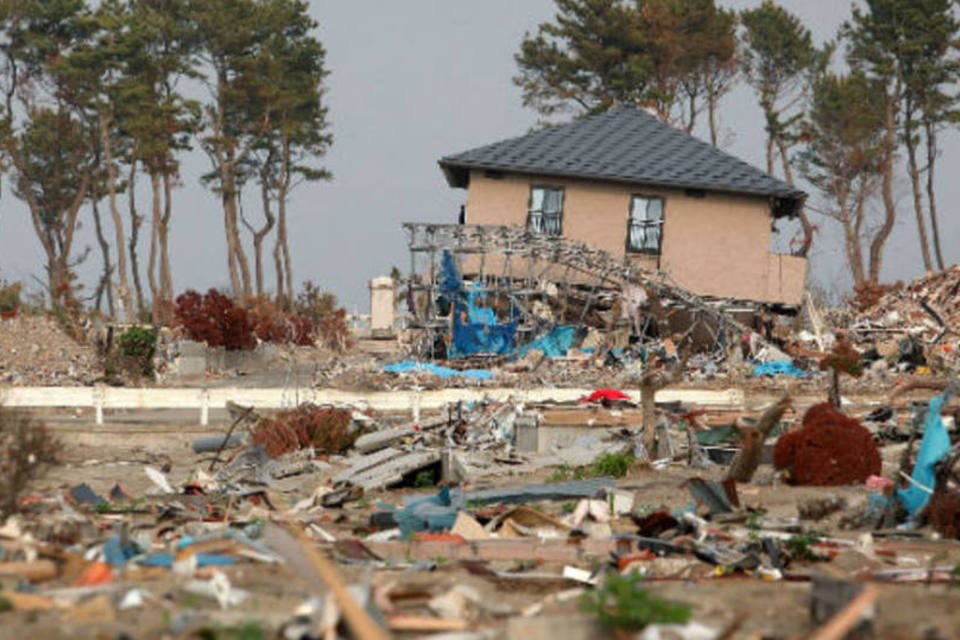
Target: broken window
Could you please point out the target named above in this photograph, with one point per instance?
(645, 226)
(546, 211)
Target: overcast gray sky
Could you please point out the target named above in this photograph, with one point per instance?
(410, 82)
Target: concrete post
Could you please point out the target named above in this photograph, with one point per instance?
(205, 407)
(381, 307)
(98, 397)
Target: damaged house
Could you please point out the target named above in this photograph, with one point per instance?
(635, 187)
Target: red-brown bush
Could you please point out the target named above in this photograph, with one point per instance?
(326, 429)
(944, 513)
(216, 319)
(830, 449)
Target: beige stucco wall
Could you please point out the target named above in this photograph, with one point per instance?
(718, 245)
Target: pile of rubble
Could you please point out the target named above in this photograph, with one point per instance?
(918, 323)
(35, 351)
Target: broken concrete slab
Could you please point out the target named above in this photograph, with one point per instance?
(386, 468)
(378, 440)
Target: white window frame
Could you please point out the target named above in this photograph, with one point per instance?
(541, 220)
(645, 231)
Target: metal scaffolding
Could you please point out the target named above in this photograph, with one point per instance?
(514, 268)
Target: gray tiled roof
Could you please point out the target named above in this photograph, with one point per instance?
(623, 145)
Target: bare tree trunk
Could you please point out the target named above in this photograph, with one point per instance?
(931, 132)
(163, 235)
(914, 171)
(854, 255)
(712, 115)
(282, 236)
(752, 438)
(856, 233)
(692, 121)
(889, 205)
(259, 235)
(135, 221)
(770, 154)
(123, 284)
(805, 223)
(105, 286)
(156, 302)
(236, 258)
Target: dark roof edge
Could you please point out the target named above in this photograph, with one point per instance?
(453, 169)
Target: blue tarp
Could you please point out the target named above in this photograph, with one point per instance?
(432, 513)
(784, 367)
(408, 366)
(935, 445)
(164, 559)
(450, 282)
(555, 344)
(475, 328)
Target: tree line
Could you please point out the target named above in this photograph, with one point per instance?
(99, 97)
(849, 116)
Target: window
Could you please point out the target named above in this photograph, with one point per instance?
(645, 227)
(546, 211)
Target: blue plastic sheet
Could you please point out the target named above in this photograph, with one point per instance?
(410, 366)
(433, 513)
(779, 367)
(164, 559)
(476, 330)
(117, 553)
(475, 327)
(450, 283)
(555, 344)
(935, 445)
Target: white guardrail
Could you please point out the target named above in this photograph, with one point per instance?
(414, 400)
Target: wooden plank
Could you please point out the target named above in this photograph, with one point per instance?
(423, 624)
(35, 571)
(357, 618)
(560, 551)
(849, 617)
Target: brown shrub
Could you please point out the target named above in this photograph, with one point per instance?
(326, 429)
(944, 513)
(830, 449)
(26, 450)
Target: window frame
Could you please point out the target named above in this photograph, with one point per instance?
(630, 223)
(563, 196)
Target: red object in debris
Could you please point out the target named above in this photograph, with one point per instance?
(830, 449)
(95, 574)
(643, 556)
(606, 395)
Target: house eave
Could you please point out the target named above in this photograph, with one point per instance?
(782, 204)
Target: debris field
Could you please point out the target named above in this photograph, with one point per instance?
(770, 483)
